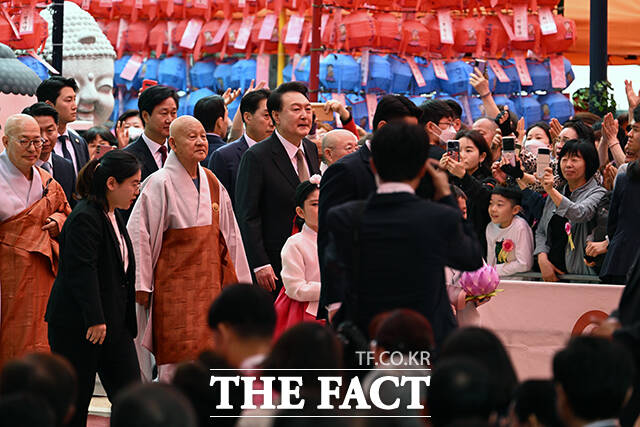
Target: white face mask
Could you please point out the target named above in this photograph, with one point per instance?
(532, 145)
(134, 133)
(447, 134)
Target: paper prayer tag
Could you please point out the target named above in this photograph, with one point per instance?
(520, 22)
(415, 70)
(221, 31)
(294, 29)
(191, 33)
(131, 67)
(440, 71)
(26, 21)
(547, 23)
(498, 71)
(365, 66)
(523, 70)
(372, 103)
(558, 77)
(244, 32)
(262, 68)
(266, 29)
(446, 26)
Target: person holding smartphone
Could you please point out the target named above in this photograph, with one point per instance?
(91, 308)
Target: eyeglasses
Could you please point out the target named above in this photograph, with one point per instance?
(25, 143)
(446, 124)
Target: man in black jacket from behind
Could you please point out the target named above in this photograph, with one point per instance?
(390, 250)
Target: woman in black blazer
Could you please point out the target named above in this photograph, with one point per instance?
(91, 309)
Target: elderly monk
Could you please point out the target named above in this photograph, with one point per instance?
(187, 246)
(32, 212)
(336, 144)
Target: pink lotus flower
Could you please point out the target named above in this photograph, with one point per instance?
(481, 282)
(567, 228)
(507, 245)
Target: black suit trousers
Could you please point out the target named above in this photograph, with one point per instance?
(115, 361)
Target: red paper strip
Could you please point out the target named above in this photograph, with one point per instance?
(498, 71)
(122, 28)
(262, 68)
(372, 104)
(131, 67)
(244, 32)
(294, 65)
(222, 31)
(446, 26)
(171, 27)
(191, 33)
(201, 4)
(365, 67)
(467, 109)
(26, 21)
(294, 29)
(105, 3)
(520, 22)
(438, 67)
(547, 23)
(417, 74)
(558, 77)
(11, 24)
(506, 25)
(342, 100)
(86, 4)
(266, 29)
(523, 70)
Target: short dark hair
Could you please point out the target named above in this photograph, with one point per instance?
(404, 330)
(460, 390)
(536, 397)
(48, 376)
(251, 101)
(41, 109)
(542, 125)
(584, 132)
(49, 90)
(92, 133)
(151, 97)
(584, 149)
(636, 114)
(92, 180)
(394, 107)
(435, 110)
(399, 151)
(152, 405)
(128, 114)
(208, 110)
(455, 107)
(247, 309)
(486, 348)
(274, 102)
(26, 410)
(595, 375)
(480, 143)
(511, 193)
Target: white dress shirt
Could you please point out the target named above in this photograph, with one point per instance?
(58, 150)
(49, 161)
(124, 253)
(250, 142)
(292, 149)
(154, 147)
(395, 187)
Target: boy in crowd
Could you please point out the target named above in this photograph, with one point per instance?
(509, 237)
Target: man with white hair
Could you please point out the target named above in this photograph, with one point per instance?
(335, 145)
(32, 213)
(187, 246)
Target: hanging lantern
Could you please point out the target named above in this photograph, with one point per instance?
(205, 43)
(437, 48)
(388, 32)
(415, 38)
(533, 39)
(264, 46)
(496, 39)
(137, 37)
(158, 38)
(469, 36)
(360, 30)
(563, 39)
(26, 41)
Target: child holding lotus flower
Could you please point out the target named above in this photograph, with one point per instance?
(509, 237)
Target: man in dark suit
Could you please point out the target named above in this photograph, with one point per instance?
(390, 251)
(158, 107)
(60, 168)
(351, 177)
(60, 93)
(268, 175)
(225, 160)
(212, 112)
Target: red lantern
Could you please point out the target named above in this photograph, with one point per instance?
(110, 29)
(548, 3)
(158, 38)
(437, 48)
(205, 44)
(302, 44)
(496, 39)
(198, 9)
(26, 41)
(360, 30)
(439, 4)
(562, 40)
(382, 4)
(533, 39)
(388, 32)
(348, 4)
(264, 46)
(469, 36)
(98, 11)
(415, 38)
(137, 36)
(176, 36)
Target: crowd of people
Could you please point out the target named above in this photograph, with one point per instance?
(124, 252)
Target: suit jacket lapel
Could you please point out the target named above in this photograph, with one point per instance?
(312, 161)
(283, 162)
(123, 232)
(149, 160)
(115, 240)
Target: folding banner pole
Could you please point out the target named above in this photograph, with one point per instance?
(315, 50)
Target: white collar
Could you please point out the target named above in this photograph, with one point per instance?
(250, 142)
(395, 187)
(153, 146)
(39, 162)
(306, 230)
(603, 423)
(289, 147)
(65, 133)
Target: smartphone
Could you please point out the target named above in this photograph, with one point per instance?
(481, 65)
(453, 149)
(544, 157)
(321, 115)
(509, 149)
(102, 149)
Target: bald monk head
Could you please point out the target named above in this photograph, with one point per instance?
(487, 127)
(188, 140)
(336, 144)
(23, 142)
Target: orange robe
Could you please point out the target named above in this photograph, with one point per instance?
(28, 267)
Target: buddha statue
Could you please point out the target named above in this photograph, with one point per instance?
(88, 57)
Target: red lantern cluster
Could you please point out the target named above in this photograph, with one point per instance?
(21, 26)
